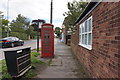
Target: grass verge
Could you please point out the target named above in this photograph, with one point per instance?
(5, 74)
(38, 49)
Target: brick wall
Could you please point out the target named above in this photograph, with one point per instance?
(103, 61)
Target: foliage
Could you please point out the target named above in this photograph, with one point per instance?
(22, 36)
(4, 70)
(57, 31)
(21, 21)
(22, 26)
(30, 32)
(35, 54)
(34, 60)
(74, 10)
(3, 27)
(19, 29)
(36, 49)
(4, 34)
(5, 22)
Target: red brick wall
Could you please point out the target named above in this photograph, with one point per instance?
(74, 37)
(104, 58)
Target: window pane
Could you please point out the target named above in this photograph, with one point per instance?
(90, 26)
(89, 39)
(86, 26)
(85, 39)
(82, 28)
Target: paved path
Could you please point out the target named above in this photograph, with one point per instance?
(64, 65)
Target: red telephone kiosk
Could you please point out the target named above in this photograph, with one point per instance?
(47, 40)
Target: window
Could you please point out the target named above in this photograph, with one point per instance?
(85, 35)
(16, 39)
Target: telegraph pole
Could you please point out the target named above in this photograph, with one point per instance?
(51, 11)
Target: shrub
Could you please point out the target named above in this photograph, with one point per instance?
(22, 36)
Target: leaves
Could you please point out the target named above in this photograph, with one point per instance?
(21, 21)
(5, 22)
(22, 25)
(57, 31)
(74, 10)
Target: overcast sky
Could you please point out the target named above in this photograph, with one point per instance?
(36, 9)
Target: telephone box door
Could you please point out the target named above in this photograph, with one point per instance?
(47, 40)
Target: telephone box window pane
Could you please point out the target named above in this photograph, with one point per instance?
(47, 41)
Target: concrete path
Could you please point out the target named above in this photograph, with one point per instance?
(64, 64)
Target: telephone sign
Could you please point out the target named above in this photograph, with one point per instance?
(47, 40)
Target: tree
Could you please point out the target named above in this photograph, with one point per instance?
(22, 25)
(57, 31)
(31, 33)
(74, 10)
(3, 27)
(5, 22)
(21, 22)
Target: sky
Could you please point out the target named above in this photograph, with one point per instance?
(35, 9)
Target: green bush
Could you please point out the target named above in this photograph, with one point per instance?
(4, 34)
(22, 36)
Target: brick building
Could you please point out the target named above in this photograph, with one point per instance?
(96, 42)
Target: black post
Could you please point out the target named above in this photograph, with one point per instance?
(38, 36)
(51, 11)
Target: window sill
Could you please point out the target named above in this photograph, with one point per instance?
(86, 46)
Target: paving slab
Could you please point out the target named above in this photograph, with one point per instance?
(56, 62)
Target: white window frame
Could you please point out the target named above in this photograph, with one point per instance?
(84, 35)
